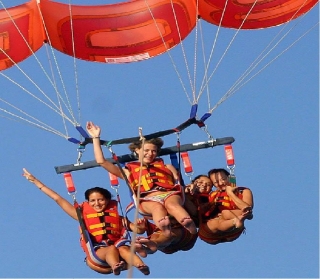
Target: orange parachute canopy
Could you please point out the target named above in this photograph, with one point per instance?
(21, 33)
(123, 32)
(128, 31)
(253, 14)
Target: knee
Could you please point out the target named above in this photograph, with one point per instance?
(172, 207)
(226, 214)
(123, 248)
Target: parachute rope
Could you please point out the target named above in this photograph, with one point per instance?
(228, 47)
(169, 54)
(183, 50)
(36, 58)
(37, 98)
(43, 126)
(205, 76)
(56, 90)
(195, 58)
(75, 63)
(54, 107)
(67, 103)
(226, 96)
(234, 88)
(31, 80)
(237, 85)
(205, 79)
(27, 44)
(240, 82)
(136, 212)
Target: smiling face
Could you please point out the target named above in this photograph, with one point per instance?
(98, 202)
(148, 153)
(204, 185)
(220, 180)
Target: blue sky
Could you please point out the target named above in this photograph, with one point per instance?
(274, 119)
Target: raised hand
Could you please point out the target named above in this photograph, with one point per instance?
(93, 130)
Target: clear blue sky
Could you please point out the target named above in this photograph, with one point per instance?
(274, 119)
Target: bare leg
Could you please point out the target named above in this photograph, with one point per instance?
(111, 255)
(221, 225)
(125, 253)
(174, 206)
(159, 215)
(164, 225)
(213, 225)
(230, 214)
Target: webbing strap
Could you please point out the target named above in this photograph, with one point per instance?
(230, 164)
(71, 190)
(69, 183)
(113, 180)
(186, 163)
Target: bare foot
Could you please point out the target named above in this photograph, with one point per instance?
(238, 221)
(247, 212)
(140, 249)
(144, 269)
(164, 226)
(117, 268)
(188, 223)
(149, 245)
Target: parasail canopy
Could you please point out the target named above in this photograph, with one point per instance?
(128, 31)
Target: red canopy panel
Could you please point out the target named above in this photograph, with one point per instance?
(21, 33)
(265, 13)
(121, 32)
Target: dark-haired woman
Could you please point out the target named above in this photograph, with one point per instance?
(231, 207)
(105, 234)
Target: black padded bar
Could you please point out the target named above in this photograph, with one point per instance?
(164, 151)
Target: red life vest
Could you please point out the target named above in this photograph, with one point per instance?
(223, 201)
(155, 174)
(103, 226)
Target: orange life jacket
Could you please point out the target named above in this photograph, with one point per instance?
(155, 174)
(223, 201)
(103, 226)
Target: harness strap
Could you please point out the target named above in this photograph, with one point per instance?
(230, 164)
(71, 191)
(186, 163)
(188, 169)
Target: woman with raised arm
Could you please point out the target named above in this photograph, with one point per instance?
(105, 234)
(160, 194)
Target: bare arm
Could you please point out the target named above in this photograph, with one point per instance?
(191, 188)
(174, 171)
(247, 197)
(140, 228)
(94, 131)
(63, 203)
